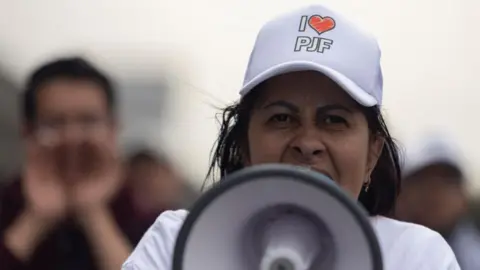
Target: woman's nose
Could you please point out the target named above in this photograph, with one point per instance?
(308, 143)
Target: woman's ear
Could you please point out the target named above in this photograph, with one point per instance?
(375, 150)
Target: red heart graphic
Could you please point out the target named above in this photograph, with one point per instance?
(321, 24)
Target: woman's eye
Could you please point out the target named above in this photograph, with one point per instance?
(334, 120)
(281, 118)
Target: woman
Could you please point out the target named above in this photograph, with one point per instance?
(311, 97)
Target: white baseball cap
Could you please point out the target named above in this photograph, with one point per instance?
(318, 39)
(434, 148)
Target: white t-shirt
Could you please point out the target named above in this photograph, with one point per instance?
(404, 246)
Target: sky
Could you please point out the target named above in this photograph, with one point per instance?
(429, 58)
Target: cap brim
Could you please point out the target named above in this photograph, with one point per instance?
(433, 148)
(423, 162)
(357, 93)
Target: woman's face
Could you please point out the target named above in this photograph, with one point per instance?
(305, 119)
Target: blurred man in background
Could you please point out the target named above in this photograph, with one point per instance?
(69, 209)
(434, 195)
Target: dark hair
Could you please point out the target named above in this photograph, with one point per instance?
(232, 144)
(70, 68)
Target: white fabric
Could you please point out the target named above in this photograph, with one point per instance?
(319, 39)
(404, 246)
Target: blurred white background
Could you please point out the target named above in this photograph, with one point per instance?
(201, 48)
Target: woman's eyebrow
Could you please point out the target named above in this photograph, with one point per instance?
(294, 108)
(324, 109)
(284, 104)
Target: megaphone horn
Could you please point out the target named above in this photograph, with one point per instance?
(276, 217)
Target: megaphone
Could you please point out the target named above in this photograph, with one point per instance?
(276, 217)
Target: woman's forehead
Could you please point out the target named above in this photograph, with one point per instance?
(304, 88)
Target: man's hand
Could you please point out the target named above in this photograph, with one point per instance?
(46, 202)
(98, 182)
(90, 194)
(45, 192)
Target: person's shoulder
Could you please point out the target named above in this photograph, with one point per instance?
(155, 249)
(393, 228)
(170, 219)
(412, 246)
